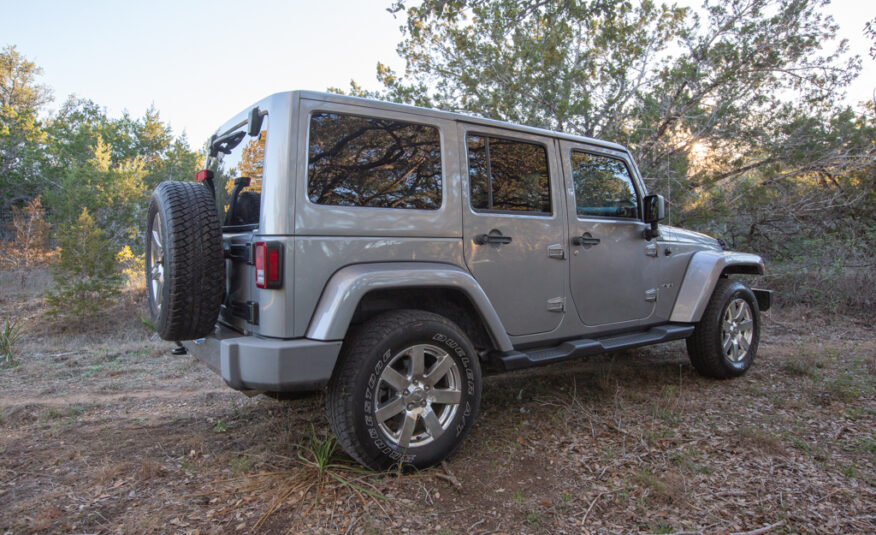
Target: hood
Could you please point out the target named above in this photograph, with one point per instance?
(680, 235)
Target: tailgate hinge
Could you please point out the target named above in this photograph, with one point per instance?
(249, 311)
(240, 252)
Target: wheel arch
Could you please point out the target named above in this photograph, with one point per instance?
(703, 272)
(358, 291)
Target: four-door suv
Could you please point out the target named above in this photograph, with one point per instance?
(388, 253)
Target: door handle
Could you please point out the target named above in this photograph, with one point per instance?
(491, 238)
(585, 239)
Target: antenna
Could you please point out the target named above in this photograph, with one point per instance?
(669, 198)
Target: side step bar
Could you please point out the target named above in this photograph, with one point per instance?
(515, 360)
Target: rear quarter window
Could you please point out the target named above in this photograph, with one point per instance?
(375, 162)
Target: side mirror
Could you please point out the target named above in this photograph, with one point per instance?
(655, 211)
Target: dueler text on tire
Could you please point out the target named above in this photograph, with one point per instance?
(185, 264)
(725, 341)
(405, 391)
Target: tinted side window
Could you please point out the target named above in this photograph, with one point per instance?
(241, 156)
(603, 186)
(366, 161)
(508, 175)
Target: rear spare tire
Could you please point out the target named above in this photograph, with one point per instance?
(185, 264)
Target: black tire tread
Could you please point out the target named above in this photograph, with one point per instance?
(194, 260)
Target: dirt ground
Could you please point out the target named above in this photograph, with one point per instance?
(102, 430)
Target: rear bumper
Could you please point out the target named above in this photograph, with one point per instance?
(267, 364)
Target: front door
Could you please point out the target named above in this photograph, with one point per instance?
(514, 226)
(613, 268)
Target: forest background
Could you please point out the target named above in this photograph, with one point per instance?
(734, 112)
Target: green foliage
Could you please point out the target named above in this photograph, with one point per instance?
(9, 336)
(21, 133)
(242, 464)
(110, 166)
(835, 273)
(94, 174)
(870, 31)
(113, 191)
(320, 454)
(86, 276)
(732, 111)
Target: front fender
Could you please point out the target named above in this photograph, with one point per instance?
(703, 272)
(348, 285)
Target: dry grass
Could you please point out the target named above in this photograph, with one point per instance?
(762, 440)
(103, 431)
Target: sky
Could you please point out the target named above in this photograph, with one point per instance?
(200, 62)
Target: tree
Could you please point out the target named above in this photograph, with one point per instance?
(113, 192)
(86, 276)
(21, 99)
(110, 165)
(29, 247)
(734, 105)
(94, 174)
(870, 31)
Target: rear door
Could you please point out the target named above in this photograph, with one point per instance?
(613, 268)
(238, 166)
(514, 225)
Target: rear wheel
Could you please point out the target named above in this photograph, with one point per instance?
(406, 390)
(725, 341)
(185, 263)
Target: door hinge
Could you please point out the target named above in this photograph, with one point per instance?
(651, 295)
(556, 251)
(651, 249)
(556, 304)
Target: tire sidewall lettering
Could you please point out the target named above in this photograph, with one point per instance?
(463, 417)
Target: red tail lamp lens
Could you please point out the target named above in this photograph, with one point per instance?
(273, 265)
(268, 265)
(203, 175)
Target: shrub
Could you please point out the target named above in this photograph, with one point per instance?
(29, 247)
(86, 277)
(9, 336)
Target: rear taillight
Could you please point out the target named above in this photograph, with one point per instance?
(268, 265)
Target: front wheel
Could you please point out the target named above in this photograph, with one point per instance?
(405, 392)
(725, 340)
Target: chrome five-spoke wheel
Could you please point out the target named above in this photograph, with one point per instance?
(737, 329)
(417, 395)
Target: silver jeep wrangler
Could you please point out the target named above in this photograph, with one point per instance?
(388, 253)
